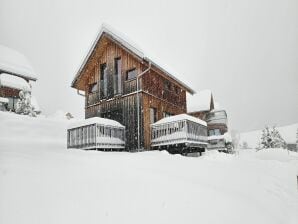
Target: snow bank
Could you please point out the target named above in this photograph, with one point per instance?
(14, 82)
(180, 117)
(43, 182)
(14, 62)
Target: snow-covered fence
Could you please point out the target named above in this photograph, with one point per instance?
(179, 133)
(96, 133)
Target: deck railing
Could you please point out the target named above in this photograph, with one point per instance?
(96, 136)
(178, 132)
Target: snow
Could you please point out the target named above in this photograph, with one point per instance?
(180, 117)
(43, 182)
(200, 101)
(95, 120)
(14, 82)
(3, 100)
(14, 62)
(35, 104)
(288, 133)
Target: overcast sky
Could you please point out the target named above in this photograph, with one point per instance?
(246, 52)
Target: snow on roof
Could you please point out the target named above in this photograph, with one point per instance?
(14, 62)
(180, 117)
(3, 100)
(14, 82)
(95, 120)
(128, 44)
(200, 101)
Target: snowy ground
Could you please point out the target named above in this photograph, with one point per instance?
(43, 182)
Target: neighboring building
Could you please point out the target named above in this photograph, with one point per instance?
(204, 103)
(120, 83)
(217, 122)
(15, 75)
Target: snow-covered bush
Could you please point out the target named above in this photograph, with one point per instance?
(24, 105)
(271, 138)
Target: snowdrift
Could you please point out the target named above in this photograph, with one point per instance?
(43, 182)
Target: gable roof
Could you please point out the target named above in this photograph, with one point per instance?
(202, 101)
(131, 47)
(15, 63)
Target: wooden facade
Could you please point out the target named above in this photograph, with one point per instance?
(121, 85)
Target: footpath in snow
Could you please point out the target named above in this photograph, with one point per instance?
(43, 182)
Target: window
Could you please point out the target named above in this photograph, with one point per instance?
(117, 76)
(213, 132)
(93, 88)
(167, 114)
(153, 115)
(167, 85)
(131, 74)
(103, 79)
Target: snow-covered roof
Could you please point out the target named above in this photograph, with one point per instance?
(133, 48)
(95, 120)
(14, 82)
(200, 101)
(15, 63)
(180, 117)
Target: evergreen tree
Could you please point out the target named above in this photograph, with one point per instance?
(271, 139)
(265, 139)
(277, 140)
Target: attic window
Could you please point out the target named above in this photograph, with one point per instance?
(93, 88)
(177, 89)
(167, 85)
(131, 74)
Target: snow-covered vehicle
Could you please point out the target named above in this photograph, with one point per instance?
(218, 136)
(96, 133)
(179, 134)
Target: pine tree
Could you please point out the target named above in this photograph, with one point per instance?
(265, 138)
(271, 139)
(277, 140)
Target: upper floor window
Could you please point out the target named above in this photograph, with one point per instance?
(103, 79)
(131, 74)
(117, 76)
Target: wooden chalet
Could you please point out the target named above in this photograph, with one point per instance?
(120, 83)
